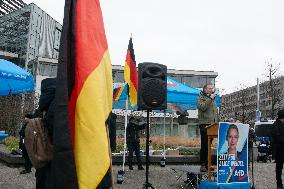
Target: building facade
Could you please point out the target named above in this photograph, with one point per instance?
(30, 38)
(242, 104)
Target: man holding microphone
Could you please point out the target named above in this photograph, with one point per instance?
(207, 114)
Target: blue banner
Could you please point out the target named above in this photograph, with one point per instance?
(232, 155)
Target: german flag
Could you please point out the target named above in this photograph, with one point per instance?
(83, 101)
(130, 74)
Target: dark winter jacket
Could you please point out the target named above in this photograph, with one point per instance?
(132, 132)
(22, 136)
(278, 140)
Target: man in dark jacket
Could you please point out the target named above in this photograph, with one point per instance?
(28, 163)
(111, 122)
(251, 140)
(207, 114)
(133, 141)
(277, 146)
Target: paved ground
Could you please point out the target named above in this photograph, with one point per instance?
(161, 178)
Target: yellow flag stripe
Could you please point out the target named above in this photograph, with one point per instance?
(132, 90)
(126, 73)
(93, 106)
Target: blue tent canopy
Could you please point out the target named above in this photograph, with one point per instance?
(13, 79)
(179, 97)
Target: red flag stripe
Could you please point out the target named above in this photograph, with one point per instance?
(86, 45)
(133, 70)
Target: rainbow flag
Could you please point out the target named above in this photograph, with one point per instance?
(175, 108)
(83, 100)
(117, 92)
(131, 74)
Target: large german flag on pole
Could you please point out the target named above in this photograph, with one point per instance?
(130, 74)
(83, 100)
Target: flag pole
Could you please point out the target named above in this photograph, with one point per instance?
(164, 134)
(163, 160)
(125, 126)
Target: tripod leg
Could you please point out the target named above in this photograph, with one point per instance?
(148, 185)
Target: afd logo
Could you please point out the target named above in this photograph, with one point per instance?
(241, 175)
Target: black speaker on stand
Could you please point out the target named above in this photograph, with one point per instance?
(152, 86)
(152, 95)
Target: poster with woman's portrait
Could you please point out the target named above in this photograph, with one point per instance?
(232, 153)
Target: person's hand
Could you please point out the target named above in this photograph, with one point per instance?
(213, 96)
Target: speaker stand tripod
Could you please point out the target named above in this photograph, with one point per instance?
(147, 185)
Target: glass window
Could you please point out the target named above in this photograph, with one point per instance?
(118, 77)
(53, 71)
(175, 130)
(211, 80)
(198, 81)
(177, 78)
(187, 80)
(192, 130)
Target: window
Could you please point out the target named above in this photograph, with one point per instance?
(48, 70)
(118, 77)
(177, 78)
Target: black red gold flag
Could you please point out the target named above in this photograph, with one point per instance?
(131, 74)
(83, 100)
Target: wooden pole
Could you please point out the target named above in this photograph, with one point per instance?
(209, 158)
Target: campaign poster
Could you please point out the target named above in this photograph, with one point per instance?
(232, 153)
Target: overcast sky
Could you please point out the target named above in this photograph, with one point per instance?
(233, 38)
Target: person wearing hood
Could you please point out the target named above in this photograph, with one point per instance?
(207, 114)
(46, 111)
(277, 146)
(133, 141)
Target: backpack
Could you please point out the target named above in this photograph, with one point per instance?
(37, 142)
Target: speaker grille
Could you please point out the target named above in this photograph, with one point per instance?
(153, 92)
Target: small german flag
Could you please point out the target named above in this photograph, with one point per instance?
(131, 74)
(83, 101)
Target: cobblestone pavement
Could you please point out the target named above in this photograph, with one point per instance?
(161, 178)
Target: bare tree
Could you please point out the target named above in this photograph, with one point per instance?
(273, 74)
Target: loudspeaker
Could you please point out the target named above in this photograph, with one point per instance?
(152, 86)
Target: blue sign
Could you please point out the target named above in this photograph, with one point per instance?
(232, 159)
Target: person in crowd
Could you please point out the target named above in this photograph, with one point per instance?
(28, 163)
(133, 141)
(207, 114)
(251, 140)
(46, 110)
(277, 146)
(232, 138)
(111, 122)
